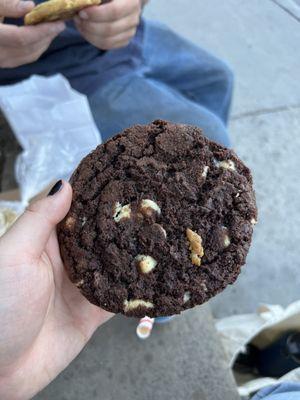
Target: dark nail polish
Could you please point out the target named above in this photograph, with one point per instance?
(56, 188)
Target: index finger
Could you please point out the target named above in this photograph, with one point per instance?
(109, 12)
(15, 36)
(15, 8)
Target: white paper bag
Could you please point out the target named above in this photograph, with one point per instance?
(261, 329)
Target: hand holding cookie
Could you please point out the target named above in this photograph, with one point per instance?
(23, 45)
(45, 321)
(110, 25)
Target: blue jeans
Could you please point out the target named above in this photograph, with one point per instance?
(284, 391)
(177, 81)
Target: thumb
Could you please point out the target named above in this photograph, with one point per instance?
(15, 8)
(30, 233)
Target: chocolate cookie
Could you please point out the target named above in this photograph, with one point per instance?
(54, 10)
(161, 220)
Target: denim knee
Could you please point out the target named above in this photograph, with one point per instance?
(224, 83)
(225, 75)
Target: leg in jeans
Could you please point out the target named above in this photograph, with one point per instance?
(196, 74)
(136, 100)
(193, 88)
(284, 391)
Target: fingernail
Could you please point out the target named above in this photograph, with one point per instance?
(58, 27)
(25, 5)
(83, 15)
(56, 188)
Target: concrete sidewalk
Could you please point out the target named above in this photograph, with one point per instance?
(181, 361)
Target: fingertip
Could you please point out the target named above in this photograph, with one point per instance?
(58, 201)
(25, 6)
(62, 188)
(83, 15)
(57, 27)
(32, 230)
(68, 191)
(90, 12)
(49, 28)
(11, 9)
(56, 188)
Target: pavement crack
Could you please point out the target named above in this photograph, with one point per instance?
(287, 9)
(264, 111)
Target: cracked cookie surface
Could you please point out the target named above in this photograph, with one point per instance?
(161, 220)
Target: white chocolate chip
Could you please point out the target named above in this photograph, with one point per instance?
(163, 230)
(146, 263)
(186, 297)
(133, 304)
(253, 221)
(204, 287)
(226, 241)
(197, 251)
(83, 221)
(237, 195)
(226, 164)
(205, 171)
(225, 237)
(149, 206)
(121, 212)
(80, 283)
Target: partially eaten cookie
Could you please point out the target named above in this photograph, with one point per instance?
(55, 10)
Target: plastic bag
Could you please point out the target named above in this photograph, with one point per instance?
(54, 125)
(260, 329)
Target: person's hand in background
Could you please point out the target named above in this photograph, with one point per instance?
(111, 25)
(45, 321)
(25, 44)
